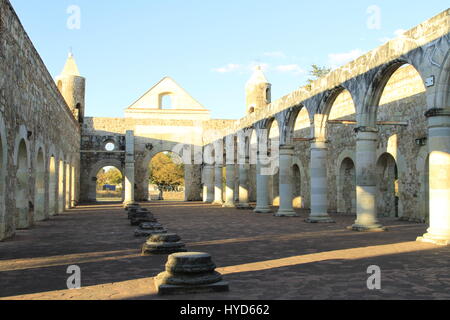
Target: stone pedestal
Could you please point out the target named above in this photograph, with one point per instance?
(131, 212)
(319, 184)
(190, 272)
(141, 217)
(286, 183)
(163, 244)
(131, 205)
(147, 229)
(439, 147)
(366, 188)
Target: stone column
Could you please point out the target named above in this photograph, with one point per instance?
(286, 208)
(218, 184)
(366, 188)
(319, 183)
(208, 183)
(243, 186)
(129, 167)
(218, 176)
(262, 184)
(439, 175)
(230, 172)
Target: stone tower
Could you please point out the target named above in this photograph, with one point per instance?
(72, 87)
(257, 91)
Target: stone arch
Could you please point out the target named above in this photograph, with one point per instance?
(52, 184)
(291, 121)
(274, 136)
(423, 200)
(184, 152)
(387, 186)
(39, 189)
(3, 166)
(60, 179)
(346, 187)
(301, 198)
(92, 193)
(368, 114)
(22, 161)
(442, 96)
(67, 183)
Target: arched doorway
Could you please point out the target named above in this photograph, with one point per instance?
(346, 197)
(166, 177)
(298, 200)
(60, 186)
(273, 150)
(109, 185)
(23, 207)
(3, 158)
(39, 191)
(387, 186)
(52, 182)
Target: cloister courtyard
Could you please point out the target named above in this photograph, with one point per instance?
(261, 256)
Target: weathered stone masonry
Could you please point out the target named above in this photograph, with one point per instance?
(38, 134)
(371, 138)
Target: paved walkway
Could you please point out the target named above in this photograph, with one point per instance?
(262, 256)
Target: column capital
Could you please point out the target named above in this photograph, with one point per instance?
(366, 129)
(437, 112)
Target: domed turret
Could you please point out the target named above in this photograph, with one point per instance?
(257, 91)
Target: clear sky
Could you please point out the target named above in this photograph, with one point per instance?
(209, 47)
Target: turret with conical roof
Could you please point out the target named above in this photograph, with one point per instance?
(257, 91)
(72, 87)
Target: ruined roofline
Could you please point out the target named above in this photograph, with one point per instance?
(46, 73)
(427, 32)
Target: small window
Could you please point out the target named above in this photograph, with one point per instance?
(165, 101)
(251, 110)
(110, 146)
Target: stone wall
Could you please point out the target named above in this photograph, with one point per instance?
(35, 120)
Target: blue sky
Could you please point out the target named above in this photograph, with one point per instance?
(209, 47)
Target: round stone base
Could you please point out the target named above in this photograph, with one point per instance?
(262, 210)
(370, 228)
(429, 238)
(229, 205)
(319, 220)
(286, 213)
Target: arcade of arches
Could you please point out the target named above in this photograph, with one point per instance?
(370, 139)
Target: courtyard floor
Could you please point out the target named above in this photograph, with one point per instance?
(261, 256)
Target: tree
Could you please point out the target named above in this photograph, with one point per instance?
(318, 72)
(166, 171)
(111, 176)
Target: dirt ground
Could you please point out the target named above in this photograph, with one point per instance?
(261, 256)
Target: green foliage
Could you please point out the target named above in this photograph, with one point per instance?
(166, 171)
(317, 72)
(111, 176)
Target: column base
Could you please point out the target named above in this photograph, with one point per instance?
(429, 238)
(262, 210)
(217, 203)
(286, 213)
(367, 228)
(228, 205)
(243, 206)
(319, 219)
